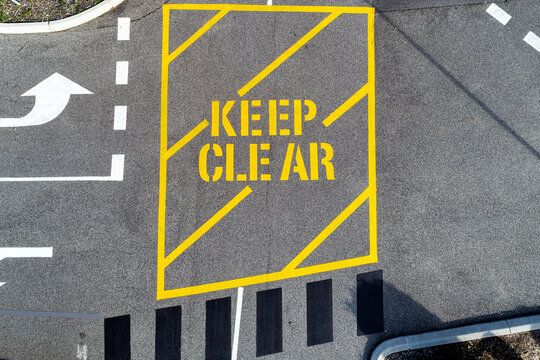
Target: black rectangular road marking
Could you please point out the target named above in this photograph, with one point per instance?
(218, 329)
(118, 338)
(369, 303)
(168, 333)
(320, 326)
(269, 322)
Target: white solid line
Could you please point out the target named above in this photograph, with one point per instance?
(120, 117)
(237, 322)
(122, 69)
(502, 16)
(123, 28)
(26, 252)
(65, 315)
(61, 25)
(533, 40)
(117, 174)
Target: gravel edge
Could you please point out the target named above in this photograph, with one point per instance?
(455, 335)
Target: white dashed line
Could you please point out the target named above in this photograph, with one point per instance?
(502, 16)
(120, 117)
(120, 111)
(123, 28)
(533, 40)
(117, 167)
(122, 70)
(269, 2)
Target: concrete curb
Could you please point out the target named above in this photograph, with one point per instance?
(63, 24)
(455, 335)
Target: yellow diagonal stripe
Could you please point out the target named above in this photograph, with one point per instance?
(207, 226)
(343, 108)
(187, 138)
(328, 230)
(257, 79)
(197, 34)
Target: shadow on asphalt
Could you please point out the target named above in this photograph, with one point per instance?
(396, 299)
(456, 82)
(403, 301)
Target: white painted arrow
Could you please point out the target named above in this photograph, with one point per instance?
(52, 96)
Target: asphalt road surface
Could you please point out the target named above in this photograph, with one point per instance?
(297, 180)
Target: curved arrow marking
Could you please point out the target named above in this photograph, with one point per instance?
(52, 96)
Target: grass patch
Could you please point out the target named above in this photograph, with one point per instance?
(41, 10)
(520, 346)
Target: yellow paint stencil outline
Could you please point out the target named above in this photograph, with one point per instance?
(291, 270)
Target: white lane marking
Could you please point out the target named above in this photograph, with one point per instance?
(499, 14)
(237, 322)
(117, 167)
(117, 174)
(25, 252)
(120, 117)
(16, 3)
(269, 3)
(63, 315)
(533, 40)
(122, 70)
(52, 96)
(123, 28)
(82, 352)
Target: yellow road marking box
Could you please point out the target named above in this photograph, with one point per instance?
(267, 157)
